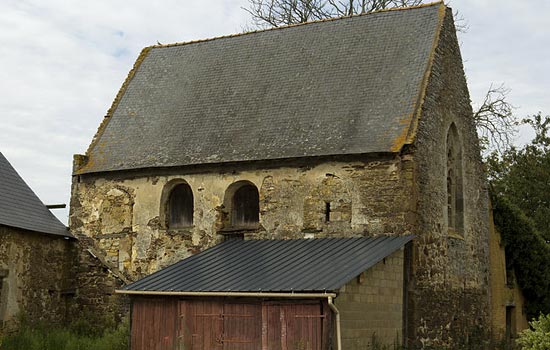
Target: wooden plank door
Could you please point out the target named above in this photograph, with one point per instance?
(222, 325)
(242, 326)
(201, 325)
(301, 326)
(154, 324)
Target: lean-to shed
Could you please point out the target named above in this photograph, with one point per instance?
(336, 293)
(36, 249)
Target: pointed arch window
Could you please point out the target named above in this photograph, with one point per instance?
(180, 207)
(455, 196)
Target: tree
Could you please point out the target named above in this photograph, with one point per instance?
(276, 13)
(523, 175)
(527, 254)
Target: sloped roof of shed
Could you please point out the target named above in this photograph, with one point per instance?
(21, 208)
(347, 86)
(300, 265)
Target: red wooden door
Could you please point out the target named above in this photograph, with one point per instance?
(304, 326)
(242, 326)
(211, 325)
(201, 325)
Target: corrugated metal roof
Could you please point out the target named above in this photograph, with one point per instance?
(345, 86)
(300, 265)
(21, 208)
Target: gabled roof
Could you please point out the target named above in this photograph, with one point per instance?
(347, 86)
(21, 208)
(299, 265)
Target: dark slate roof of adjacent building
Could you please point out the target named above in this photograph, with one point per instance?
(346, 86)
(300, 265)
(21, 208)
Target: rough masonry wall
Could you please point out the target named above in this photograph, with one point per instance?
(371, 306)
(37, 275)
(95, 283)
(449, 293)
(124, 214)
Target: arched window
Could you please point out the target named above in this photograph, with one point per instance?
(179, 210)
(244, 204)
(455, 198)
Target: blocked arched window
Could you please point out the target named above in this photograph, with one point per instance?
(179, 209)
(245, 204)
(455, 196)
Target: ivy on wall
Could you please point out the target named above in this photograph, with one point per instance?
(527, 253)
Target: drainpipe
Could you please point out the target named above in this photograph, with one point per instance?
(338, 330)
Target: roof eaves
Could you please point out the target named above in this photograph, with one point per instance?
(57, 233)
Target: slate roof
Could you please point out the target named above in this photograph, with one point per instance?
(300, 265)
(346, 86)
(21, 208)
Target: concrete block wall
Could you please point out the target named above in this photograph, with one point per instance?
(371, 305)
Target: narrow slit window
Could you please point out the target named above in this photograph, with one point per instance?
(327, 211)
(455, 200)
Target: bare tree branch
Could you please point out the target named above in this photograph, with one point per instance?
(495, 120)
(275, 13)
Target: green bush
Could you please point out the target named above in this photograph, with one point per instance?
(538, 337)
(74, 337)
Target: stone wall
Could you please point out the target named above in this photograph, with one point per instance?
(37, 277)
(371, 306)
(95, 283)
(370, 196)
(449, 290)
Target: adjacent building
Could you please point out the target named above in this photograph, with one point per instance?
(36, 256)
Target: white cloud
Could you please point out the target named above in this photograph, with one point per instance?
(64, 61)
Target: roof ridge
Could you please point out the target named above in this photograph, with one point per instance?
(330, 19)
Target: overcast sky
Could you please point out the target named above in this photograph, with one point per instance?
(63, 61)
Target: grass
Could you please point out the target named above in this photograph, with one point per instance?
(72, 337)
